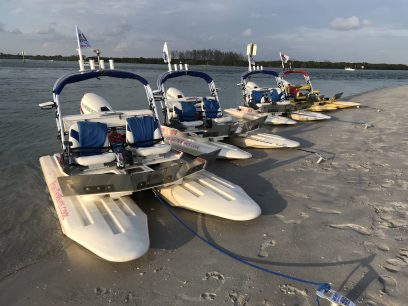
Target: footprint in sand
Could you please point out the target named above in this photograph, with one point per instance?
(325, 210)
(397, 263)
(214, 275)
(303, 216)
(239, 299)
(355, 227)
(291, 290)
(262, 252)
(372, 247)
(394, 214)
(389, 284)
(208, 296)
(387, 183)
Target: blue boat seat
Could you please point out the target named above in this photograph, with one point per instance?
(276, 94)
(186, 112)
(144, 135)
(211, 108)
(257, 95)
(90, 139)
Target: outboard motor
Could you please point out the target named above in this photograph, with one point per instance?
(174, 93)
(92, 103)
(250, 86)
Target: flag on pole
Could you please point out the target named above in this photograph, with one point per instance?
(82, 40)
(284, 57)
(166, 56)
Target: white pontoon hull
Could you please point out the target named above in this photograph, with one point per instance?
(114, 228)
(248, 113)
(279, 120)
(207, 193)
(303, 115)
(259, 140)
(196, 145)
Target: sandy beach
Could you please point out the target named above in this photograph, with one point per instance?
(343, 221)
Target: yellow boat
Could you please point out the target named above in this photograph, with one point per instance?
(304, 93)
(322, 108)
(345, 104)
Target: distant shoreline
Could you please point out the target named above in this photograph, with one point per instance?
(297, 64)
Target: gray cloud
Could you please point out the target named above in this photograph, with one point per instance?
(16, 31)
(347, 24)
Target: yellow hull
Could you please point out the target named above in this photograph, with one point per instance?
(344, 104)
(322, 108)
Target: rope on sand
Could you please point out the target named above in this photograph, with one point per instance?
(323, 289)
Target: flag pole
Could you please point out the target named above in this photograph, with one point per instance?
(281, 58)
(81, 60)
(166, 55)
(251, 52)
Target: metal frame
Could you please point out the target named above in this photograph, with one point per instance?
(78, 77)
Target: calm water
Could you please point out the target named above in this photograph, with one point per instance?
(26, 133)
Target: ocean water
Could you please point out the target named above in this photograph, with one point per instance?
(28, 228)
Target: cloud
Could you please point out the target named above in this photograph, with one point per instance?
(4, 30)
(247, 33)
(16, 31)
(347, 24)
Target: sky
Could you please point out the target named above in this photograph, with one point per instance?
(374, 31)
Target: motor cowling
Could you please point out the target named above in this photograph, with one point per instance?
(250, 86)
(174, 93)
(92, 103)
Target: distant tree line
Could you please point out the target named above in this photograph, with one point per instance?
(220, 58)
(209, 57)
(335, 65)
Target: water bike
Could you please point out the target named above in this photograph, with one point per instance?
(197, 124)
(107, 155)
(270, 102)
(306, 92)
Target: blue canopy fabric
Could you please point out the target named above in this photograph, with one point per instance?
(78, 77)
(175, 74)
(247, 74)
(142, 128)
(187, 112)
(91, 135)
(211, 108)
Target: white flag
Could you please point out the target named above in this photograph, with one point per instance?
(82, 40)
(166, 55)
(284, 57)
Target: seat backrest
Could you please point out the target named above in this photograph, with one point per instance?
(142, 131)
(293, 90)
(211, 108)
(91, 137)
(185, 111)
(276, 94)
(257, 95)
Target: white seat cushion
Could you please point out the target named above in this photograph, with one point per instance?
(95, 159)
(192, 123)
(157, 149)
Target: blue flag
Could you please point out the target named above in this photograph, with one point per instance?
(83, 41)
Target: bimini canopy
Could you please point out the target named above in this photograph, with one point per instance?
(175, 74)
(287, 72)
(246, 75)
(78, 77)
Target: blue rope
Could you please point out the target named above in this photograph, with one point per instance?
(320, 285)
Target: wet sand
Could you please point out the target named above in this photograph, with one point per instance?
(343, 221)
